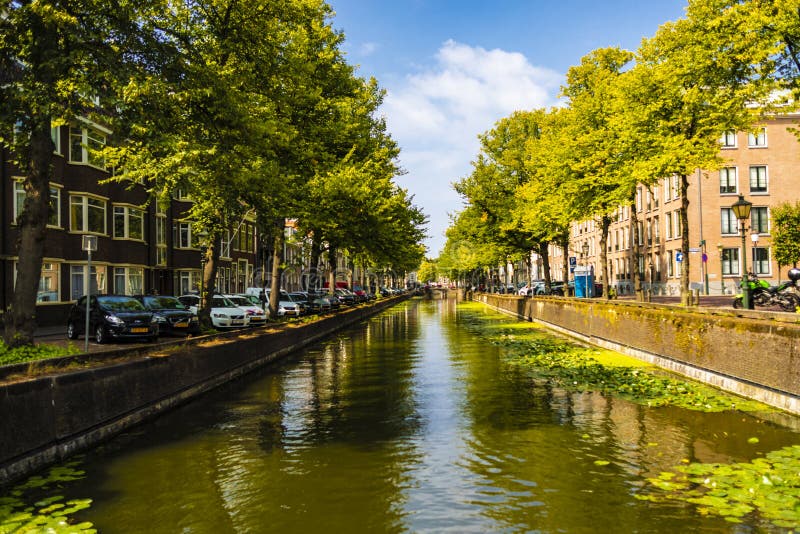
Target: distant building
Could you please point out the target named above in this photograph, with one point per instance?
(763, 166)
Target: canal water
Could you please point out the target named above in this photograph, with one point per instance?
(409, 422)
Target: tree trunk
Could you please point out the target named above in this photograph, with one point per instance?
(20, 317)
(277, 261)
(332, 267)
(635, 250)
(544, 253)
(210, 267)
(605, 222)
(685, 295)
(564, 244)
(313, 264)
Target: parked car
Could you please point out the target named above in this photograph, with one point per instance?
(172, 316)
(290, 306)
(346, 296)
(224, 313)
(112, 317)
(255, 313)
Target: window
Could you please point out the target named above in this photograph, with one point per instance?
(49, 282)
(729, 224)
(55, 135)
(668, 224)
(87, 214)
(638, 199)
(757, 139)
(656, 229)
(187, 281)
(728, 139)
(670, 264)
(759, 220)
(730, 261)
(758, 179)
(128, 280)
(128, 223)
(761, 263)
(676, 186)
(727, 181)
(78, 280)
(54, 218)
(183, 234)
(640, 229)
(676, 217)
(85, 146)
(225, 251)
(161, 240)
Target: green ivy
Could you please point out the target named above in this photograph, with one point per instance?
(36, 352)
(48, 513)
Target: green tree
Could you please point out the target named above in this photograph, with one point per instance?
(696, 78)
(55, 58)
(786, 233)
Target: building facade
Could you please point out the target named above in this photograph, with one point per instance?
(762, 166)
(142, 247)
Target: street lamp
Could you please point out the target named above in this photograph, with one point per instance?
(585, 248)
(203, 251)
(721, 273)
(741, 208)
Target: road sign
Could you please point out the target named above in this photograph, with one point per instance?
(573, 261)
(705, 258)
(694, 249)
(679, 256)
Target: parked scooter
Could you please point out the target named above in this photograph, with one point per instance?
(784, 296)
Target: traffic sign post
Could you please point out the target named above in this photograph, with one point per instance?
(89, 244)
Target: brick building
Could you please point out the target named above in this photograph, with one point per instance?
(141, 247)
(763, 166)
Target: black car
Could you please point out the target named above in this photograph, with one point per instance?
(172, 316)
(112, 317)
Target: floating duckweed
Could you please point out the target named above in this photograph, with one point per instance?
(768, 487)
(575, 367)
(49, 513)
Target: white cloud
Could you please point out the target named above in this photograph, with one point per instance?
(436, 115)
(367, 49)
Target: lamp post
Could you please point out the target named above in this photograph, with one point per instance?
(721, 273)
(585, 248)
(741, 208)
(203, 250)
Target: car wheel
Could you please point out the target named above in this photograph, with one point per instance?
(738, 303)
(152, 339)
(100, 334)
(72, 332)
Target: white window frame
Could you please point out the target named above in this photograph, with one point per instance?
(755, 173)
(129, 279)
(728, 139)
(728, 223)
(79, 270)
(757, 139)
(161, 240)
(51, 271)
(126, 213)
(85, 213)
(90, 138)
(758, 224)
(726, 181)
(180, 242)
(55, 202)
(730, 261)
(761, 266)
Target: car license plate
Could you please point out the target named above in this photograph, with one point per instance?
(181, 325)
(139, 330)
(237, 322)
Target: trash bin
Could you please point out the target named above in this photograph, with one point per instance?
(584, 282)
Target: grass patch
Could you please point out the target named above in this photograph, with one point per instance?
(41, 351)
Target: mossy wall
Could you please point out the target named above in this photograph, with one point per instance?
(757, 355)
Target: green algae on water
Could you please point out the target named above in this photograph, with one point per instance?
(768, 487)
(574, 367)
(49, 511)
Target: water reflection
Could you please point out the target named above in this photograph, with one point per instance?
(408, 422)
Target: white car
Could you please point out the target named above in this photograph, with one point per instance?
(255, 314)
(224, 313)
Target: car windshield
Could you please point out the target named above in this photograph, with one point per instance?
(120, 304)
(163, 303)
(221, 302)
(240, 301)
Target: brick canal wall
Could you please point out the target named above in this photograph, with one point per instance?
(752, 354)
(59, 412)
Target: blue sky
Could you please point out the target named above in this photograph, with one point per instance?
(452, 68)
